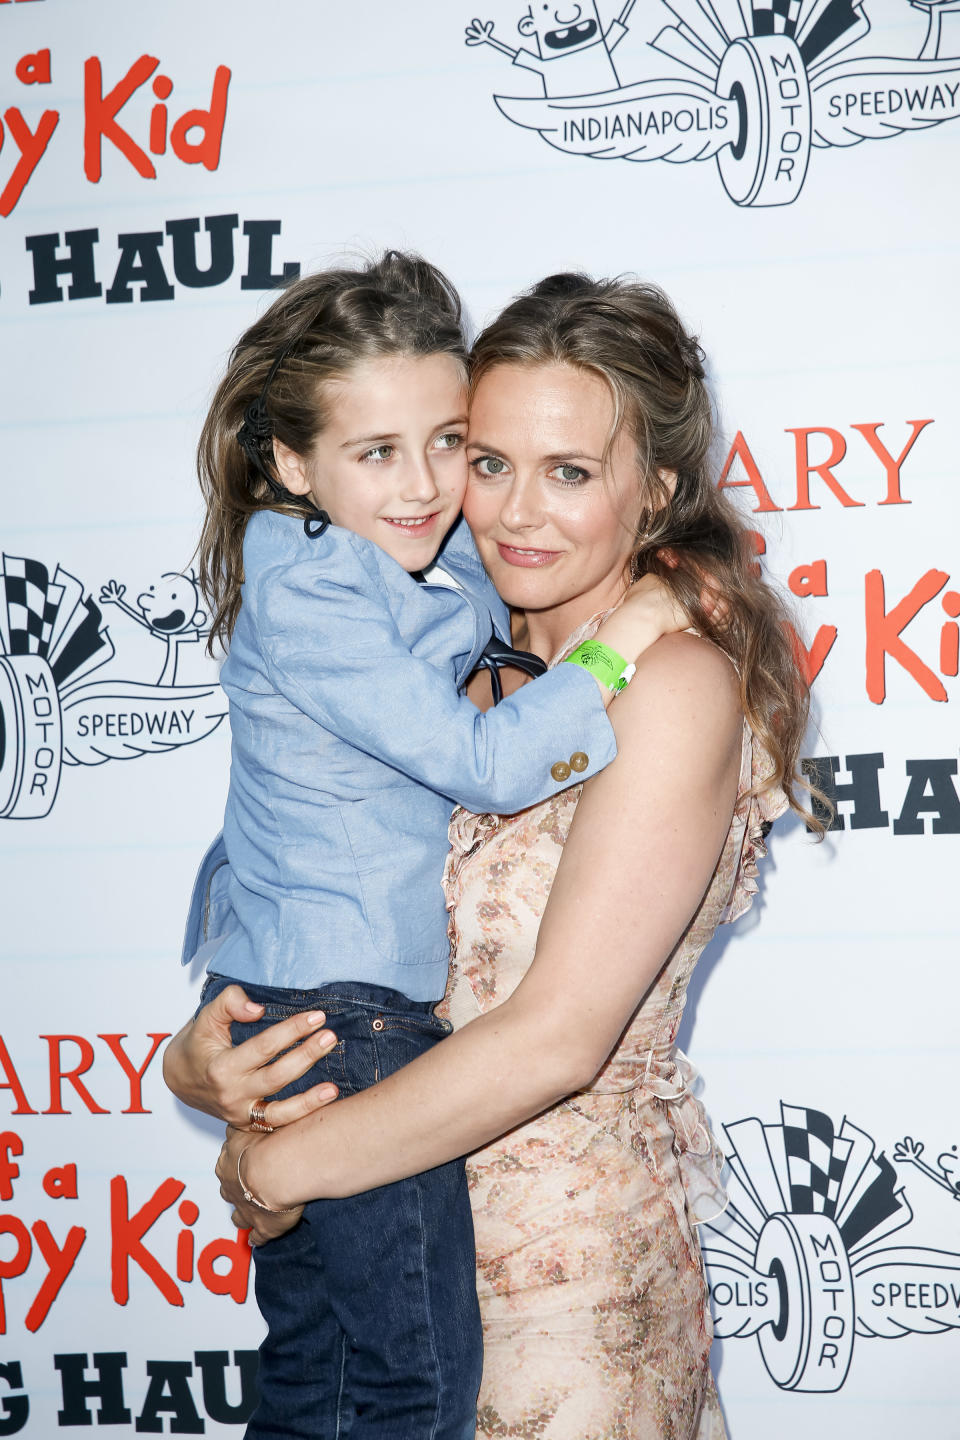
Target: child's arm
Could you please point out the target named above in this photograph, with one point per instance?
(343, 662)
(639, 856)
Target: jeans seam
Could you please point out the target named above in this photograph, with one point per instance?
(343, 1371)
(429, 1311)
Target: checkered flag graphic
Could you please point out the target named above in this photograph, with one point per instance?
(52, 618)
(775, 17)
(815, 1170)
(31, 608)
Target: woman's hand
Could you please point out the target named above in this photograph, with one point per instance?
(206, 1071)
(263, 1225)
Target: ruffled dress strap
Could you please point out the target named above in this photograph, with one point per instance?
(759, 804)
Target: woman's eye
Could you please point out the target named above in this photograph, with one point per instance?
(489, 465)
(570, 474)
(378, 454)
(448, 442)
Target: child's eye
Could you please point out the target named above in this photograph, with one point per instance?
(569, 474)
(488, 465)
(378, 454)
(449, 441)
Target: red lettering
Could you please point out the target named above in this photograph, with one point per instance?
(809, 579)
(127, 1232)
(740, 450)
(10, 1269)
(10, 1144)
(134, 1076)
(204, 152)
(758, 545)
(234, 1281)
(59, 1264)
(100, 113)
(892, 467)
(60, 1182)
(34, 69)
(58, 1074)
(32, 145)
(810, 662)
(883, 634)
(805, 468)
(12, 1082)
(950, 635)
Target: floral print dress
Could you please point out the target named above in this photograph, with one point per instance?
(591, 1282)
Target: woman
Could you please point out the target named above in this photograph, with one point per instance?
(576, 924)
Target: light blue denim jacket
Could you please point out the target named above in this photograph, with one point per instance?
(351, 744)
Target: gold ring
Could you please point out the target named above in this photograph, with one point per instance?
(258, 1119)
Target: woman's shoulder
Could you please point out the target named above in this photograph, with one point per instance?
(689, 658)
(686, 690)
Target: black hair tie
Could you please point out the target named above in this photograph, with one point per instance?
(256, 434)
(497, 652)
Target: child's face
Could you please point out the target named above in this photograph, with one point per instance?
(390, 463)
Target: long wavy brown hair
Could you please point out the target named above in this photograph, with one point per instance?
(322, 325)
(628, 333)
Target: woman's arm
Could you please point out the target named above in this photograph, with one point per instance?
(641, 851)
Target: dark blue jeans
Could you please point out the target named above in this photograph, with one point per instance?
(370, 1302)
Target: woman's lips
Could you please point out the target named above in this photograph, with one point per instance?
(415, 526)
(525, 557)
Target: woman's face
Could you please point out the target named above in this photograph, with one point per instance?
(553, 528)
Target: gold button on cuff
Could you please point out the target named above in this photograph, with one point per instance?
(560, 771)
(579, 761)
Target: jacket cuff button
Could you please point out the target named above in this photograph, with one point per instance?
(579, 761)
(560, 771)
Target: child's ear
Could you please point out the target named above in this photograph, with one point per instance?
(527, 26)
(291, 469)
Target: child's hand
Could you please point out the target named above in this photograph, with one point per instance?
(649, 611)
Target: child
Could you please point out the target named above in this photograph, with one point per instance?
(332, 467)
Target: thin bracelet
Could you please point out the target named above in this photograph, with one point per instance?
(249, 1196)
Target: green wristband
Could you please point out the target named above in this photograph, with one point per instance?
(604, 664)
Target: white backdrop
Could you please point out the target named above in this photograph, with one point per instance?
(822, 280)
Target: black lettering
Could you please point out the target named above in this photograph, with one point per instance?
(169, 1394)
(78, 263)
(16, 1408)
(212, 1365)
(863, 790)
(184, 235)
(142, 247)
(942, 802)
(259, 276)
(108, 1388)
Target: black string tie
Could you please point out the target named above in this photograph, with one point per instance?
(497, 653)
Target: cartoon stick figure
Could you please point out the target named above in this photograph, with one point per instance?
(170, 610)
(909, 1151)
(574, 54)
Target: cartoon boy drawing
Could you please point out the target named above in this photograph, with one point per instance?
(908, 1151)
(574, 54)
(170, 610)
